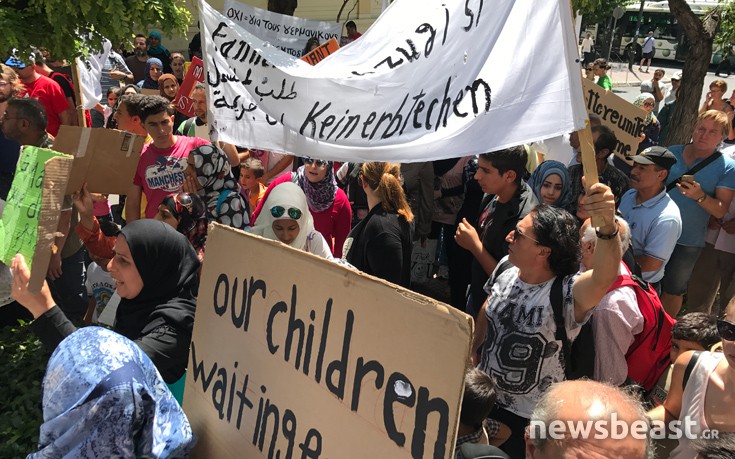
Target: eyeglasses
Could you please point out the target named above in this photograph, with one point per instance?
(648, 104)
(726, 330)
(183, 200)
(589, 69)
(3, 84)
(278, 211)
(318, 162)
(518, 233)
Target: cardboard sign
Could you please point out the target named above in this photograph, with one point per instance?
(320, 53)
(104, 158)
(194, 75)
(296, 356)
(624, 118)
(31, 213)
(150, 92)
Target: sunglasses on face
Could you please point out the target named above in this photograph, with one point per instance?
(518, 234)
(648, 104)
(293, 213)
(726, 330)
(183, 200)
(318, 162)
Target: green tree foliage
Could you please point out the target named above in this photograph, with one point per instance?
(23, 363)
(61, 26)
(726, 34)
(598, 11)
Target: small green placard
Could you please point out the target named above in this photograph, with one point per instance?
(19, 223)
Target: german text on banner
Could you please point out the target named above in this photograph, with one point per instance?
(294, 356)
(288, 33)
(428, 80)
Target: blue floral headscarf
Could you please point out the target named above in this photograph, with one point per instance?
(103, 397)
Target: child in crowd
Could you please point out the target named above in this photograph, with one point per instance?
(112, 95)
(476, 431)
(695, 331)
(100, 285)
(251, 172)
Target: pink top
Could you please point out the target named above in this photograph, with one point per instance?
(161, 171)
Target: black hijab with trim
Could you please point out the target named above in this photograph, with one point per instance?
(169, 267)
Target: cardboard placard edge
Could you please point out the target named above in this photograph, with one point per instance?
(55, 177)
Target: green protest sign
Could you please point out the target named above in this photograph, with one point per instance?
(31, 213)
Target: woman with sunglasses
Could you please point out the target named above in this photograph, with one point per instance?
(702, 391)
(286, 218)
(381, 243)
(328, 203)
(651, 129)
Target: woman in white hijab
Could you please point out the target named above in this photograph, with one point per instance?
(286, 218)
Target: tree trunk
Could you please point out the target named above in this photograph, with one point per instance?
(286, 7)
(701, 35)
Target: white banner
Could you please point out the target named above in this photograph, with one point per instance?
(428, 80)
(90, 73)
(288, 33)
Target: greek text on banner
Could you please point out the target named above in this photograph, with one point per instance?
(416, 86)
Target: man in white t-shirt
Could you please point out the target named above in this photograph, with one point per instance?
(515, 332)
(588, 49)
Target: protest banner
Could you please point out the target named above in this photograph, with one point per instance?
(321, 53)
(194, 74)
(414, 87)
(296, 356)
(104, 158)
(287, 33)
(624, 118)
(31, 214)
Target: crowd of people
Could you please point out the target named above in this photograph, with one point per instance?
(516, 242)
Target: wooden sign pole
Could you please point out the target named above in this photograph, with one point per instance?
(78, 95)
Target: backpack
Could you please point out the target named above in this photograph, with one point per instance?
(648, 357)
(579, 357)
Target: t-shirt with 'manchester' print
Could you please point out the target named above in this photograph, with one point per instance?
(161, 171)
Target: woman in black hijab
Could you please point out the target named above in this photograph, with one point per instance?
(155, 270)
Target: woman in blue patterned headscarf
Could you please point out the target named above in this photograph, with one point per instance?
(103, 397)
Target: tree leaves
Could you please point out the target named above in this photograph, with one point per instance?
(75, 29)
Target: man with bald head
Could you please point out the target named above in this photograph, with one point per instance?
(590, 420)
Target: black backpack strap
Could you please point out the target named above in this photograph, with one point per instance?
(690, 366)
(500, 269)
(557, 304)
(705, 162)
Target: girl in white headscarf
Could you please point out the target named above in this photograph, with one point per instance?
(286, 218)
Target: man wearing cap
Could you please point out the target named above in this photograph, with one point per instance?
(48, 92)
(654, 218)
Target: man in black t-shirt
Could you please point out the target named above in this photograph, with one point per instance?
(507, 200)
